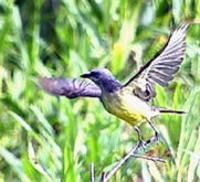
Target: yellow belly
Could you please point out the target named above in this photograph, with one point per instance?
(126, 106)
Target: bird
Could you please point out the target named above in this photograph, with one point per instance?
(130, 101)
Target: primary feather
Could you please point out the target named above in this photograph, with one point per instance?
(70, 88)
(161, 68)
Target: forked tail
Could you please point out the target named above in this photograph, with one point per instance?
(164, 110)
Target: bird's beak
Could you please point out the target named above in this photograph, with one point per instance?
(86, 75)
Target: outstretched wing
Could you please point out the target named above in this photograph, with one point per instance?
(70, 88)
(161, 68)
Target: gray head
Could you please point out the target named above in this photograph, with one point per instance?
(103, 78)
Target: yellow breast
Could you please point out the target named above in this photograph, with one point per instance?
(126, 106)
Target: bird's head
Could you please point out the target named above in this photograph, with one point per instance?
(102, 77)
(98, 75)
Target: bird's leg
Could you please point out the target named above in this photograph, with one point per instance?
(142, 143)
(154, 128)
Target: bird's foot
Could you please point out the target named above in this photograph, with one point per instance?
(156, 138)
(141, 142)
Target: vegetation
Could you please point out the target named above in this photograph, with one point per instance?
(45, 138)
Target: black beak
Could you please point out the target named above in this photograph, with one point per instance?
(86, 75)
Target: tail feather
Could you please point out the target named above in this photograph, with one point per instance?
(164, 110)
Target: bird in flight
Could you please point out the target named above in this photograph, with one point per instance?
(129, 101)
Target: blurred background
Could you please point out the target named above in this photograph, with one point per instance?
(46, 138)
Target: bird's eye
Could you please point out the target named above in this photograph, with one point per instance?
(95, 74)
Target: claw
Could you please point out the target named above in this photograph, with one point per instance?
(157, 136)
(142, 144)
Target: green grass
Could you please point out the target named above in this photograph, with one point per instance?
(46, 138)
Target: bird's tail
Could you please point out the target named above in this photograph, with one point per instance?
(165, 110)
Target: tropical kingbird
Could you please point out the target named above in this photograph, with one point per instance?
(129, 101)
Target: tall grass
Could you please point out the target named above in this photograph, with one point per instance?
(45, 138)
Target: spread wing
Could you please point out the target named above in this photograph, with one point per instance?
(161, 68)
(70, 88)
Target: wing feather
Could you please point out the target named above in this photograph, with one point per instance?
(162, 67)
(70, 88)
